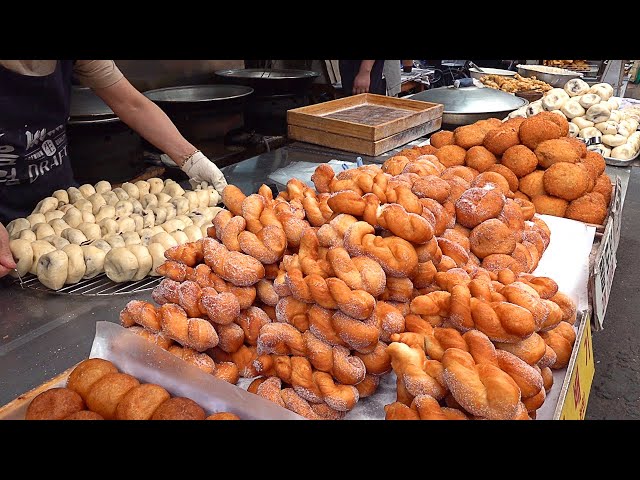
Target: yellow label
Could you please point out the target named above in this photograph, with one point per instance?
(575, 403)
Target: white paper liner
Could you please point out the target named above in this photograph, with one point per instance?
(303, 171)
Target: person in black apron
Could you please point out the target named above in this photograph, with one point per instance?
(350, 69)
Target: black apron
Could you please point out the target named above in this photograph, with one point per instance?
(350, 68)
(34, 161)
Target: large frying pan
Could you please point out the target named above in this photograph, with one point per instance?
(269, 82)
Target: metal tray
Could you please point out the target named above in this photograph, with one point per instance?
(616, 162)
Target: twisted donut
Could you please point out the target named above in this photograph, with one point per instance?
(292, 224)
(359, 273)
(233, 197)
(433, 307)
(156, 338)
(251, 321)
(271, 389)
(190, 253)
(368, 386)
(419, 375)
(258, 213)
(423, 407)
(317, 209)
(194, 333)
(567, 306)
(201, 360)
(360, 336)
(377, 362)
(243, 358)
(294, 312)
(320, 323)
(141, 313)
(531, 349)
(240, 269)
(388, 319)
(398, 289)
(560, 340)
(332, 233)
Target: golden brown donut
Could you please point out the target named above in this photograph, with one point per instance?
(84, 415)
(179, 408)
(559, 120)
(520, 160)
(477, 205)
(561, 340)
(227, 371)
(566, 180)
(590, 208)
(595, 163)
(468, 136)
(394, 165)
(466, 173)
(535, 130)
(106, 393)
(499, 261)
(458, 186)
(527, 208)
(480, 158)
(603, 187)
(451, 155)
(141, 402)
(442, 138)
(549, 205)
(54, 404)
(223, 416)
(498, 140)
(495, 179)
(554, 151)
(432, 187)
(442, 218)
(533, 184)
(511, 177)
(427, 149)
(87, 373)
(515, 122)
(520, 195)
(457, 236)
(492, 236)
(578, 145)
(531, 349)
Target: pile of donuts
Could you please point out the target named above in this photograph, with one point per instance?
(592, 111)
(78, 233)
(536, 161)
(97, 390)
(315, 294)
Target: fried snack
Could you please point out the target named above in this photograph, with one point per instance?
(520, 160)
(105, 394)
(195, 333)
(466, 173)
(589, 208)
(496, 262)
(392, 166)
(400, 411)
(560, 340)
(547, 377)
(511, 177)
(531, 349)
(432, 187)
(368, 386)
(603, 187)
(239, 269)
(535, 130)
(84, 415)
(54, 404)
(492, 236)
(493, 179)
(87, 373)
(201, 360)
(559, 120)
(179, 408)
(567, 306)
(468, 136)
(555, 151)
(566, 180)
(418, 375)
(317, 209)
(442, 138)
(548, 205)
(533, 184)
(515, 122)
(579, 146)
(190, 253)
(141, 313)
(498, 140)
(477, 205)
(223, 416)
(251, 321)
(227, 371)
(427, 149)
(141, 402)
(451, 155)
(157, 338)
(594, 163)
(233, 197)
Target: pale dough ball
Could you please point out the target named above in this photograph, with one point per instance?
(160, 215)
(57, 241)
(157, 229)
(103, 186)
(166, 240)
(173, 225)
(193, 233)
(171, 210)
(39, 248)
(138, 221)
(156, 250)
(192, 197)
(181, 204)
(52, 269)
(173, 190)
(65, 208)
(101, 244)
(145, 236)
(214, 197)
(163, 198)
(93, 259)
(84, 205)
(91, 230)
(155, 185)
(88, 217)
(43, 230)
(131, 190)
(180, 237)
(148, 201)
(77, 267)
(116, 241)
(603, 90)
(582, 122)
(74, 194)
(121, 194)
(46, 205)
(124, 208)
(623, 152)
(108, 226)
(73, 217)
(203, 198)
(131, 238)
(126, 224)
(120, 264)
(87, 190)
(184, 219)
(145, 261)
(59, 225)
(149, 219)
(143, 187)
(52, 215)
(61, 195)
(97, 200)
(110, 197)
(203, 230)
(22, 254)
(106, 211)
(137, 206)
(14, 227)
(74, 236)
(27, 235)
(36, 218)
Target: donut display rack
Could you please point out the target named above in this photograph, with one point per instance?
(99, 285)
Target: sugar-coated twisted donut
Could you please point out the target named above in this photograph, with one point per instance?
(201, 360)
(194, 333)
(332, 234)
(418, 375)
(233, 197)
(190, 253)
(251, 321)
(157, 338)
(560, 340)
(423, 407)
(359, 273)
(243, 358)
(240, 269)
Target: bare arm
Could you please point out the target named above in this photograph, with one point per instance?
(362, 82)
(146, 118)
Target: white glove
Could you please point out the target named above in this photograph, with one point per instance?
(199, 168)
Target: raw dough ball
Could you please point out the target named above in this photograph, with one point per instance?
(14, 227)
(574, 129)
(126, 224)
(52, 269)
(173, 225)
(180, 237)
(608, 127)
(590, 132)
(36, 218)
(623, 152)
(87, 190)
(203, 230)
(560, 112)
(120, 264)
(106, 211)
(131, 190)
(614, 103)
(214, 198)
(589, 100)
(165, 239)
(22, 254)
(137, 207)
(170, 209)
(582, 122)
(93, 259)
(554, 99)
(46, 205)
(27, 235)
(193, 200)
(61, 195)
(108, 226)
(91, 230)
(145, 236)
(39, 248)
(147, 201)
(520, 112)
(199, 220)
(73, 217)
(149, 219)
(616, 115)
(103, 186)
(116, 241)
(97, 200)
(184, 219)
(203, 198)
(52, 215)
(101, 244)
(160, 215)
(611, 140)
(77, 267)
(57, 241)
(65, 208)
(124, 208)
(43, 230)
(110, 197)
(603, 90)
(138, 221)
(163, 198)
(121, 194)
(74, 235)
(157, 229)
(576, 86)
(156, 250)
(572, 109)
(193, 233)
(534, 108)
(598, 113)
(74, 194)
(143, 187)
(145, 261)
(601, 149)
(155, 185)
(181, 204)
(84, 205)
(88, 217)
(131, 238)
(173, 190)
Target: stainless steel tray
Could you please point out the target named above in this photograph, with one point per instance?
(616, 162)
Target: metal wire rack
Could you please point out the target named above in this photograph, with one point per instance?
(99, 285)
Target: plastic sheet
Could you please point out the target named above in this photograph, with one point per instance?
(303, 171)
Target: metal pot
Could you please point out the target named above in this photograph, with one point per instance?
(268, 82)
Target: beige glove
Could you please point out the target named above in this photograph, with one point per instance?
(199, 168)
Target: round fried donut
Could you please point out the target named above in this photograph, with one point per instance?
(179, 408)
(511, 177)
(520, 160)
(527, 208)
(603, 187)
(458, 186)
(492, 178)
(533, 184)
(106, 393)
(567, 305)
(54, 404)
(520, 195)
(477, 205)
(469, 136)
(466, 173)
(451, 155)
(566, 180)
(442, 138)
(427, 149)
(87, 373)
(559, 120)
(223, 416)
(512, 217)
(84, 415)
(548, 205)
(554, 151)
(395, 165)
(479, 158)
(590, 208)
(458, 237)
(578, 145)
(535, 130)
(490, 237)
(141, 402)
(594, 162)
(515, 122)
(498, 140)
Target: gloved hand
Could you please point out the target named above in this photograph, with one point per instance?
(7, 263)
(199, 168)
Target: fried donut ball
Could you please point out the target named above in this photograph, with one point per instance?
(590, 208)
(527, 208)
(535, 130)
(458, 186)
(515, 122)
(511, 178)
(141, 402)
(84, 415)
(493, 178)
(469, 136)
(520, 195)
(106, 393)
(477, 205)
(559, 120)
(179, 408)
(451, 155)
(520, 160)
(554, 151)
(498, 140)
(87, 373)
(442, 138)
(395, 165)
(580, 146)
(223, 416)
(433, 187)
(532, 184)
(492, 236)
(603, 187)
(54, 404)
(548, 205)
(566, 180)
(594, 163)
(466, 173)
(479, 158)
(499, 261)
(425, 150)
